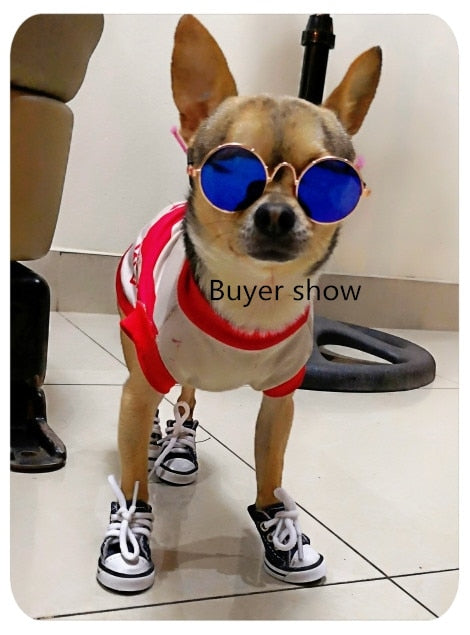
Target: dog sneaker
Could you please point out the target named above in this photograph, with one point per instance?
(177, 461)
(125, 562)
(288, 553)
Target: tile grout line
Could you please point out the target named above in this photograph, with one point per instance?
(213, 597)
(194, 600)
(390, 578)
(409, 575)
(330, 531)
(90, 338)
(241, 595)
(413, 597)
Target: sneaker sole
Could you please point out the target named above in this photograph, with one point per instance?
(175, 478)
(124, 583)
(298, 576)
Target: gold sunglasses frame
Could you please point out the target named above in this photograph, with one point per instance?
(192, 172)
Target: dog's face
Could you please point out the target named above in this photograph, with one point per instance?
(274, 231)
(271, 235)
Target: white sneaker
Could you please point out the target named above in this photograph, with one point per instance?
(174, 456)
(125, 562)
(288, 553)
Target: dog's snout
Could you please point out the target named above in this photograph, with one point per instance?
(274, 219)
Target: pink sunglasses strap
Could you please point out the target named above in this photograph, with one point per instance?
(174, 131)
(359, 162)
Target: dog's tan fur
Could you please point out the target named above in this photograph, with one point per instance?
(225, 246)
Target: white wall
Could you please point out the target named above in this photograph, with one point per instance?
(125, 166)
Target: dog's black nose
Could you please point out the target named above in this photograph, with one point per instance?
(274, 219)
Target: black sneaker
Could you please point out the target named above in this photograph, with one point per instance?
(177, 461)
(288, 553)
(125, 562)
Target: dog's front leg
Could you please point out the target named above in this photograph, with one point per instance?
(272, 433)
(125, 562)
(139, 403)
(288, 554)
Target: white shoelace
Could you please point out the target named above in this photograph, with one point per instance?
(287, 531)
(127, 522)
(179, 438)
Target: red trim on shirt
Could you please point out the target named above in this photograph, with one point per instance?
(123, 303)
(138, 321)
(153, 244)
(143, 332)
(288, 386)
(198, 309)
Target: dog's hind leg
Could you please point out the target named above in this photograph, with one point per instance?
(188, 395)
(177, 463)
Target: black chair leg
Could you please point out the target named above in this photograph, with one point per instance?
(34, 447)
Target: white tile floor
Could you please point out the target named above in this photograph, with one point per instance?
(375, 476)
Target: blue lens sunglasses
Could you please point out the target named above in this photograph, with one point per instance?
(232, 177)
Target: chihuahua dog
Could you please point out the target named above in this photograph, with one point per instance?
(206, 291)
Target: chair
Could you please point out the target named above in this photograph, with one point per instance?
(49, 58)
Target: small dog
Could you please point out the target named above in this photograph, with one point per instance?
(206, 292)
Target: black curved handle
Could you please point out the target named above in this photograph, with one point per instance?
(409, 366)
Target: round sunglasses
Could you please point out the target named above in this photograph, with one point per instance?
(232, 177)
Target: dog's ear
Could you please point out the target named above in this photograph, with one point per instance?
(352, 98)
(200, 75)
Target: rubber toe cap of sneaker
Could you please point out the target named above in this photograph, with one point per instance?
(181, 466)
(121, 566)
(310, 558)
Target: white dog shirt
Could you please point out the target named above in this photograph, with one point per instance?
(180, 338)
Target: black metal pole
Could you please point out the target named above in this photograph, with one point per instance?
(318, 38)
(413, 367)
